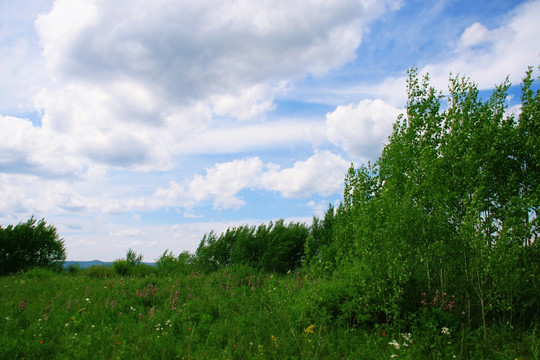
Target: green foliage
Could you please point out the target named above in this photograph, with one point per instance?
(73, 268)
(99, 272)
(131, 264)
(276, 247)
(28, 245)
(167, 263)
(122, 267)
(132, 258)
(451, 206)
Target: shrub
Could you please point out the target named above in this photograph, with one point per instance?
(122, 267)
(142, 270)
(39, 273)
(73, 268)
(28, 245)
(99, 272)
(167, 263)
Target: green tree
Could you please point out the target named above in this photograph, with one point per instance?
(30, 244)
(126, 266)
(450, 207)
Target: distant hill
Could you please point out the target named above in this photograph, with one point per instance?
(87, 264)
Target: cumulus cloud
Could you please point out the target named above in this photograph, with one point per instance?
(362, 129)
(134, 80)
(488, 55)
(22, 69)
(192, 50)
(26, 149)
(322, 174)
(21, 194)
(224, 181)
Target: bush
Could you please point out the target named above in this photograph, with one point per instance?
(28, 245)
(122, 267)
(143, 270)
(132, 264)
(167, 263)
(73, 269)
(39, 273)
(99, 272)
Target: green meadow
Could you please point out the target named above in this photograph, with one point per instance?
(237, 313)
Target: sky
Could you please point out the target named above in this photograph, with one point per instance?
(146, 124)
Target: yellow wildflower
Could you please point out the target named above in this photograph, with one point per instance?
(309, 329)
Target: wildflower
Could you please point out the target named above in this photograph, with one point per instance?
(445, 331)
(66, 324)
(395, 344)
(7, 318)
(87, 300)
(393, 356)
(132, 308)
(407, 337)
(41, 341)
(309, 329)
(383, 334)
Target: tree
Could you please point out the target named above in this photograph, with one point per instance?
(451, 206)
(126, 266)
(30, 244)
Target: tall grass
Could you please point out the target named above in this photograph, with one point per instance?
(233, 314)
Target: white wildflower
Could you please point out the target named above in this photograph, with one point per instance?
(395, 344)
(445, 331)
(407, 337)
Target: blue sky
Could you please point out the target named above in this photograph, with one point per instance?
(146, 124)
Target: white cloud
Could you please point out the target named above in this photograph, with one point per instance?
(193, 50)
(23, 195)
(322, 174)
(247, 137)
(135, 81)
(224, 181)
(22, 69)
(488, 55)
(362, 129)
(132, 233)
(25, 148)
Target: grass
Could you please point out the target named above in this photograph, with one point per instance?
(232, 314)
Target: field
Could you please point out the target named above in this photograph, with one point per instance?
(232, 314)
